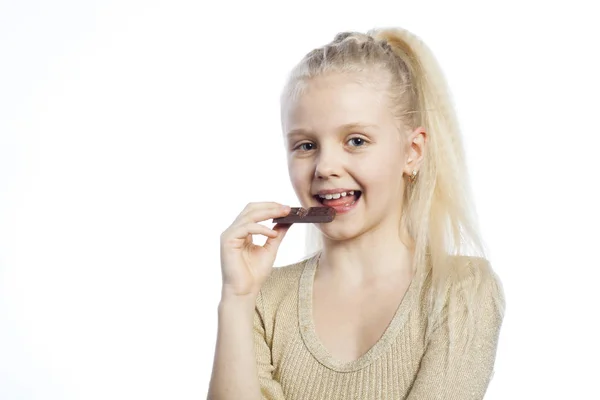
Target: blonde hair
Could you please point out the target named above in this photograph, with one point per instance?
(438, 212)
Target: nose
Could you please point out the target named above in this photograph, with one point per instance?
(327, 166)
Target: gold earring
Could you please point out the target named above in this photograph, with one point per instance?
(413, 176)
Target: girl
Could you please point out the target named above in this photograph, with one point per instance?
(399, 300)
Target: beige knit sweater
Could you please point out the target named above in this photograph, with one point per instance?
(294, 365)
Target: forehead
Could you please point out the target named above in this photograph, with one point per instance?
(331, 101)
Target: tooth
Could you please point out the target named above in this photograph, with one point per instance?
(329, 196)
(351, 192)
(336, 195)
(343, 194)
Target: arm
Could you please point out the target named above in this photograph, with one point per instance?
(450, 372)
(269, 387)
(243, 354)
(234, 374)
(245, 266)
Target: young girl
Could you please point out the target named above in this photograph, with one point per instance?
(399, 300)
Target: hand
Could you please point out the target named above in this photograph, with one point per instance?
(244, 265)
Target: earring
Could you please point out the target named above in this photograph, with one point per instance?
(413, 176)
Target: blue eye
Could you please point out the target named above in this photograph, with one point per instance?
(306, 146)
(357, 142)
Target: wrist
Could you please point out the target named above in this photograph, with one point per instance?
(232, 293)
(238, 302)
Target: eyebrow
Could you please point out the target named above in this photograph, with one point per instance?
(345, 127)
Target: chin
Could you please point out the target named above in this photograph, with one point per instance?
(339, 232)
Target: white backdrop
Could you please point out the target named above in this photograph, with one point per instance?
(133, 132)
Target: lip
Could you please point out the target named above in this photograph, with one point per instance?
(340, 209)
(332, 191)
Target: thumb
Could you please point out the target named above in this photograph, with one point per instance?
(272, 244)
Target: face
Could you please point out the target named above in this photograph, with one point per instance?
(346, 150)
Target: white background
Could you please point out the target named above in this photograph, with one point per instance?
(133, 132)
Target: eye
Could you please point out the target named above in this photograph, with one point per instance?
(357, 141)
(305, 146)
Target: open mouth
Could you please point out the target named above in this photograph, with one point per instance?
(337, 200)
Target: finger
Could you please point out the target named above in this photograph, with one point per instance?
(263, 214)
(252, 228)
(260, 205)
(272, 244)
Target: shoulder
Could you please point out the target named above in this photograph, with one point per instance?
(475, 272)
(285, 275)
(282, 282)
(475, 283)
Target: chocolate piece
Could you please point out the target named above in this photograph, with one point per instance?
(312, 215)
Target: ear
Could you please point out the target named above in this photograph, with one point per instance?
(417, 141)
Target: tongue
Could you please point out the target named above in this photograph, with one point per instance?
(342, 201)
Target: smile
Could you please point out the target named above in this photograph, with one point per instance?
(342, 201)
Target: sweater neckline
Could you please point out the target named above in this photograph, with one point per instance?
(314, 344)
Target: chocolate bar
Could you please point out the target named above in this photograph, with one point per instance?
(312, 215)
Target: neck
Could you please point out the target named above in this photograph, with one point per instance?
(379, 253)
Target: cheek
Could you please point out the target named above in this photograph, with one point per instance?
(299, 174)
(383, 172)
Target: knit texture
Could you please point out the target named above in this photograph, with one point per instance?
(404, 364)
